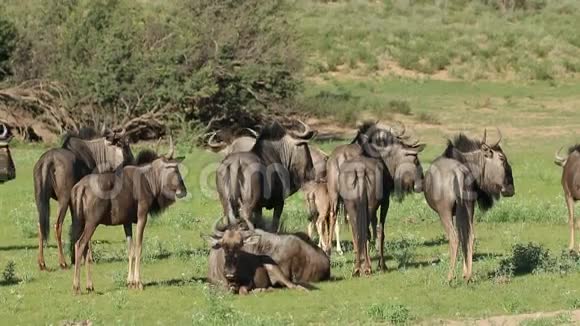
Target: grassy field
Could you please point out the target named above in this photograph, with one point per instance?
(440, 67)
(536, 119)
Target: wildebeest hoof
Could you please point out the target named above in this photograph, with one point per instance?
(42, 266)
(356, 273)
(301, 288)
(90, 289)
(63, 266)
(76, 290)
(243, 291)
(139, 286)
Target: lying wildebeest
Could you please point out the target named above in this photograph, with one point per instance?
(241, 271)
(123, 198)
(367, 182)
(7, 168)
(240, 257)
(276, 167)
(316, 195)
(469, 170)
(59, 169)
(369, 132)
(571, 185)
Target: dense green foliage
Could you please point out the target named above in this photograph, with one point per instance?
(8, 39)
(202, 58)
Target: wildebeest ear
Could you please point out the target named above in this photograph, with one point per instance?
(213, 242)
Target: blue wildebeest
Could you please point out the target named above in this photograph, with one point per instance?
(367, 182)
(571, 185)
(377, 136)
(468, 171)
(59, 169)
(276, 167)
(124, 197)
(7, 168)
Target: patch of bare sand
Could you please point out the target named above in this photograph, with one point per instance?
(507, 320)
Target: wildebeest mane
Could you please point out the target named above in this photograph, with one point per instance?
(273, 131)
(84, 133)
(146, 156)
(461, 143)
(575, 148)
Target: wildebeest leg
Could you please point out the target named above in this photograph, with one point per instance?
(471, 240)
(88, 269)
(337, 233)
(464, 228)
(40, 259)
(276, 217)
(446, 217)
(63, 205)
(381, 233)
(141, 222)
(128, 228)
(277, 276)
(80, 252)
(570, 204)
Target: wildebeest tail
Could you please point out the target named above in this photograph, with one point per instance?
(43, 184)
(362, 218)
(232, 191)
(312, 210)
(78, 219)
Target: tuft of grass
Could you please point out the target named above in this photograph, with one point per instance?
(403, 250)
(428, 118)
(395, 314)
(399, 106)
(9, 276)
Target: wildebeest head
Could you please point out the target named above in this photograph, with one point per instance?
(487, 162)
(7, 169)
(400, 154)
(276, 145)
(103, 154)
(242, 141)
(231, 239)
(169, 179)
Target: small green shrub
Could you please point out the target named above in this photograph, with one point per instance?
(428, 118)
(9, 274)
(396, 314)
(399, 106)
(403, 250)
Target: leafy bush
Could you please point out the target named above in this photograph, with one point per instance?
(8, 38)
(229, 61)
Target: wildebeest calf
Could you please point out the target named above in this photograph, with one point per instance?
(571, 185)
(122, 198)
(316, 195)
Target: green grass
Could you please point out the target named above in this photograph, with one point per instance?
(470, 40)
(175, 256)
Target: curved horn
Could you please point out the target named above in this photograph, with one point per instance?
(253, 132)
(171, 148)
(213, 144)
(305, 134)
(123, 132)
(4, 131)
(215, 228)
(560, 160)
(484, 136)
(499, 138)
(157, 145)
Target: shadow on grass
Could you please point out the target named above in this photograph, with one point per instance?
(24, 247)
(177, 282)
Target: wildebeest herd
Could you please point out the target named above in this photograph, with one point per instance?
(99, 179)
